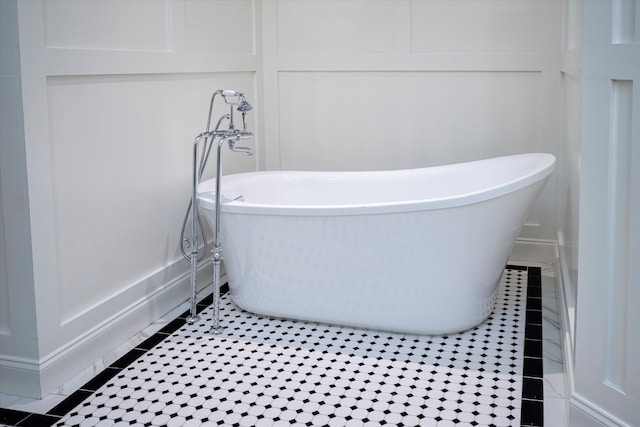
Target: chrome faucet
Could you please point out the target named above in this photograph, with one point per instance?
(231, 135)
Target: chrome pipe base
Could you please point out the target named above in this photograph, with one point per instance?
(216, 331)
(192, 319)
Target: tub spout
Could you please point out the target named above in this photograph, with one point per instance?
(239, 136)
(246, 150)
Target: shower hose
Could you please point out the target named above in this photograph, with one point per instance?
(186, 243)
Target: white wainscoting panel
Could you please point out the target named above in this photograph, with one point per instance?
(604, 382)
(569, 192)
(396, 120)
(221, 26)
(122, 150)
(114, 93)
(141, 24)
(5, 318)
(351, 26)
(619, 233)
(622, 371)
(478, 26)
(18, 328)
(625, 26)
(399, 83)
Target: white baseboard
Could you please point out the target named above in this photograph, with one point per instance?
(582, 412)
(565, 327)
(527, 251)
(38, 378)
(20, 377)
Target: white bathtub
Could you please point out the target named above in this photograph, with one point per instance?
(415, 251)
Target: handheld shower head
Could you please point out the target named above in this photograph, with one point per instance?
(232, 98)
(244, 106)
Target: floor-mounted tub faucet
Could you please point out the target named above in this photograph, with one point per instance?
(231, 135)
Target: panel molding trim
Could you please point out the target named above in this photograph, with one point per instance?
(592, 412)
(37, 378)
(619, 233)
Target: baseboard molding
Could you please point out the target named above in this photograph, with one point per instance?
(584, 413)
(535, 251)
(38, 378)
(565, 327)
(20, 377)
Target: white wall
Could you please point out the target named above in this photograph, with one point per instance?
(109, 118)
(114, 93)
(356, 85)
(18, 329)
(600, 210)
(569, 160)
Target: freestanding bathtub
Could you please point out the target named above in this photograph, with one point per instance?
(414, 251)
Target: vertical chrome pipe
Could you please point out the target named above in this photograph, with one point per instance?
(216, 329)
(193, 311)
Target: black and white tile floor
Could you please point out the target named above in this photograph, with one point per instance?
(273, 372)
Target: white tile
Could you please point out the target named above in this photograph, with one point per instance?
(263, 371)
(38, 406)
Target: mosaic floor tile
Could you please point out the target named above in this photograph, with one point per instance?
(269, 372)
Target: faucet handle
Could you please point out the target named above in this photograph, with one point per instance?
(245, 134)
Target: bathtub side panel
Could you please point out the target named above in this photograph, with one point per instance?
(428, 272)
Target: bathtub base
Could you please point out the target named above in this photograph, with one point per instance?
(380, 316)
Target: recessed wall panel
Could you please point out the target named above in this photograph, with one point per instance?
(348, 26)
(632, 387)
(624, 17)
(573, 24)
(568, 172)
(106, 24)
(396, 120)
(619, 231)
(223, 26)
(122, 150)
(477, 26)
(5, 319)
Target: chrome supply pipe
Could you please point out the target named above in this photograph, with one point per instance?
(230, 135)
(195, 221)
(231, 138)
(216, 252)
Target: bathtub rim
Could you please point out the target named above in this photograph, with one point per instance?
(545, 167)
